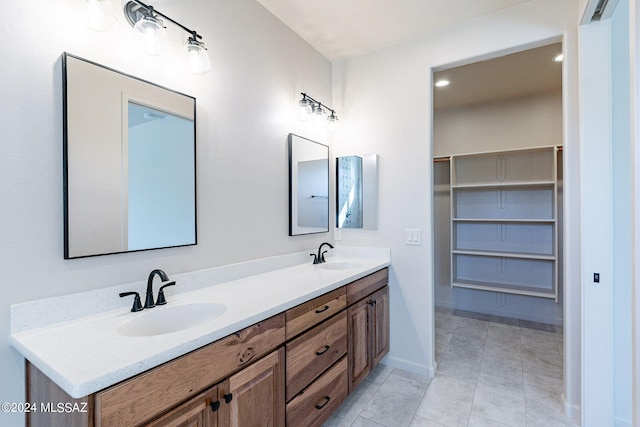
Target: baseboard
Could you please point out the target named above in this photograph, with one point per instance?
(407, 365)
(531, 317)
(571, 410)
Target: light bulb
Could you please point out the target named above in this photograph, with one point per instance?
(153, 35)
(197, 56)
(99, 15)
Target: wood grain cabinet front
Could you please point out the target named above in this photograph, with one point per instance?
(147, 395)
(314, 352)
(196, 412)
(317, 402)
(253, 397)
(368, 325)
(310, 313)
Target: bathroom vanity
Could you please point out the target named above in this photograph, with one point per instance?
(293, 367)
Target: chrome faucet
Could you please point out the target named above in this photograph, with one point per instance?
(319, 258)
(149, 303)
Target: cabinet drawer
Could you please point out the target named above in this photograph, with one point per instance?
(367, 285)
(139, 399)
(309, 314)
(314, 405)
(313, 352)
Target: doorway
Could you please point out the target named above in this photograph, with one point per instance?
(498, 266)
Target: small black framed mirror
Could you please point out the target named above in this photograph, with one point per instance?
(308, 186)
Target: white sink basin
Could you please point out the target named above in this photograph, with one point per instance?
(340, 265)
(167, 319)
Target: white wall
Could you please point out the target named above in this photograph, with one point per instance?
(385, 100)
(246, 106)
(523, 122)
(622, 215)
(634, 40)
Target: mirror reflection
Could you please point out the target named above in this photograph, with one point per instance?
(129, 163)
(308, 186)
(357, 192)
(349, 191)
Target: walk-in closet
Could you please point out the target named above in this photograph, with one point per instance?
(498, 226)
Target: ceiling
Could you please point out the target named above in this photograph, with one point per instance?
(341, 29)
(510, 76)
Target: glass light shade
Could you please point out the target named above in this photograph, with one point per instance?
(318, 116)
(332, 119)
(197, 56)
(99, 15)
(304, 109)
(153, 34)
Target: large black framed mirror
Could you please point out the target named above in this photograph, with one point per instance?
(308, 186)
(129, 162)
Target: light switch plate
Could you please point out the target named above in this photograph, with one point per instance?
(412, 236)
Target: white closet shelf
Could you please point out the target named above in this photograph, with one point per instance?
(498, 185)
(521, 255)
(507, 220)
(516, 191)
(506, 288)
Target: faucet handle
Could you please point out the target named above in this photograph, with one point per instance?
(322, 256)
(315, 258)
(161, 300)
(137, 305)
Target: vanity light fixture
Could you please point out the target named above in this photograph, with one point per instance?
(309, 107)
(559, 58)
(149, 23)
(442, 83)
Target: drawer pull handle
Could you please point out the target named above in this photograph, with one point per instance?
(323, 351)
(323, 404)
(320, 310)
(228, 398)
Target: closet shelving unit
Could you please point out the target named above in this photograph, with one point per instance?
(504, 222)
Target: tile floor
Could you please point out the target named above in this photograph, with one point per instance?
(492, 371)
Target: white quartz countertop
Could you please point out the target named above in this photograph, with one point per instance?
(88, 354)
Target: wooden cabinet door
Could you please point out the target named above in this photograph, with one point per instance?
(379, 325)
(358, 342)
(254, 397)
(196, 412)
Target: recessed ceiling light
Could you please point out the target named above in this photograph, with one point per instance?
(559, 58)
(442, 83)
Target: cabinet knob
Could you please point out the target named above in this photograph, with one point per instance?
(324, 403)
(323, 351)
(215, 406)
(227, 397)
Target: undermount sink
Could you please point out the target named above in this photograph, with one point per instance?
(167, 319)
(340, 265)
